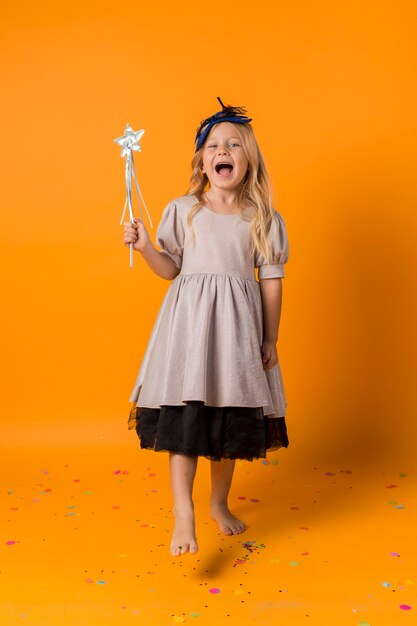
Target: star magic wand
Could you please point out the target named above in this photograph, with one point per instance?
(129, 142)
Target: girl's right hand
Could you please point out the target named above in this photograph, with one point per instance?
(135, 233)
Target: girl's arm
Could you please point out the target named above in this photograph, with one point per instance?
(271, 292)
(159, 262)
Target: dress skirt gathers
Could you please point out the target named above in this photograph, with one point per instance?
(201, 389)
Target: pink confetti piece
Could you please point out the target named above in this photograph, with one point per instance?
(241, 497)
(305, 554)
(118, 472)
(330, 474)
(89, 580)
(115, 506)
(394, 554)
(254, 500)
(151, 474)
(76, 480)
(405, 607)
(304, 528)
(10, 543)
(390, 486)
(214, 590)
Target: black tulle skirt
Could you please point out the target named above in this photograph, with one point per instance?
(195, 429)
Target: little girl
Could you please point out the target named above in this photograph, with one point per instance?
(210, 382)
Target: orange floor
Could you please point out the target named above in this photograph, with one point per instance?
(86, 531)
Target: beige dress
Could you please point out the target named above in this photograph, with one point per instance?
(206, 340)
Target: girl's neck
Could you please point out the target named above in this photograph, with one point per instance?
(221, 199)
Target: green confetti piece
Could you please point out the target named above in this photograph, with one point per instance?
(294, 563)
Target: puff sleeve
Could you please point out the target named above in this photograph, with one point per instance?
(170, 233)
(279, 248)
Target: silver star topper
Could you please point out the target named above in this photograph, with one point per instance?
(130, 140)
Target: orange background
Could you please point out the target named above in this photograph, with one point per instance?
(87, 516)
(331, 88)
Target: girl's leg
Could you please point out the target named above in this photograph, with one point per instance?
(182, 470)
(221, 479)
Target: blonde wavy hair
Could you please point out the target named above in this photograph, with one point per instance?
(255, 192)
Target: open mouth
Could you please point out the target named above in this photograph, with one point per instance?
(224, 169)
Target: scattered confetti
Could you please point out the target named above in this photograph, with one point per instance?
(252, 545)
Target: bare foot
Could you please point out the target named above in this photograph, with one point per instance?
(183, 537)
(229, 524)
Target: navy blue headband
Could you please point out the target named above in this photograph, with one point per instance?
(227, 114)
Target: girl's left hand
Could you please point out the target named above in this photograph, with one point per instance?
(269, 354)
